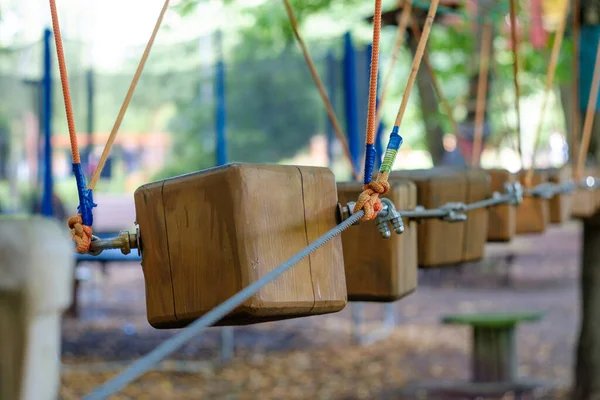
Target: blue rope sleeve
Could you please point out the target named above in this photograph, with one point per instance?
(370, 155)
(86, 199)
(392, 150)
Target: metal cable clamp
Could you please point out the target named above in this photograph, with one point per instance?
(454, 212)
(389, 214)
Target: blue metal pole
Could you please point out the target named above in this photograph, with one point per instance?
(378, 136)
(331, 86)
(221, 111)
(47, 209)
(350, 98)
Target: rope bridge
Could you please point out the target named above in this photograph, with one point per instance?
(368, 206)
(451, 212)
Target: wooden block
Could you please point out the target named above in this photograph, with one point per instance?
(36, 277)
(378, 269)
(478, 188)
(439, 242)
(502, 219)
(559, 205)
(207, 235)
(533, 214)
(585, 202)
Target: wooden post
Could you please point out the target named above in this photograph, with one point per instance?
(494, 354)
(587, 367)
(587, 385)
(36, 274)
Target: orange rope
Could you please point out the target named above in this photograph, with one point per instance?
(127, 100)
(575, 88)
(503, 107)
(589, 116)
(437, 87)
(374, 71)
(64, 80)
(315, 75)
(405, 17)
(484, 62)
(513, 35)
(549, 80)
(417, 61)
(81, 234)
(369, 198)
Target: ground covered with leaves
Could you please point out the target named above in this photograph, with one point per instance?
(316, 358)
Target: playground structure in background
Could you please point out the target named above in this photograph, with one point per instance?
(304, 216)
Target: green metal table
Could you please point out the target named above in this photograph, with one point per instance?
(494, 348)
(494, 360)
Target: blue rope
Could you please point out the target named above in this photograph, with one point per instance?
(370, 156)
(86, 198)
(391, 151)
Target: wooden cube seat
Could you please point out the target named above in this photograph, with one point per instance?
(560, 204)
(440, 242)
(586, 201)
(533, 214)
(478, 188)
(502, 219)
(378, 269)
(207, 235)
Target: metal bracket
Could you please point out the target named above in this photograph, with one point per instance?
(389, 214)
(125, 241)
(96, 251)
(515, 190)
(589, 182)
(347, 211)
(543, 191)
(138, 239)
(454, 212)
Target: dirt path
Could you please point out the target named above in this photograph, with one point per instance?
(315, 357)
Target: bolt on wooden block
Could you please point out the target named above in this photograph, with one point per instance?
(502, 219)
(207, 235)
(559, 205)
(533, 214)
(585, 202)
(378, 269)
(439, 242)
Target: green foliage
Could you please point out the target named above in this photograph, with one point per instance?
(272, 102)
(271, 24)
(273, 109)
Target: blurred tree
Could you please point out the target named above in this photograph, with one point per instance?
(454, 55)
(273, 109)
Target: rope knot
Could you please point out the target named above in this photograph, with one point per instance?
(81, 234)
(379, 187)
(369, 200)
